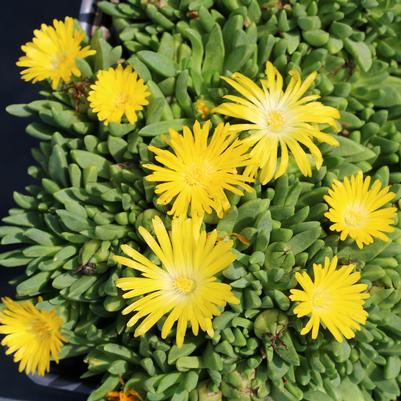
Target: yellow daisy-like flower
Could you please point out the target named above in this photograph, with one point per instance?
(357, 210)
(185, 287)
(279, 119)
(199, 171)
(334, 299)
(52, 53)
(118, 92)
(32, 335)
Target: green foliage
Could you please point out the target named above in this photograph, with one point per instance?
(91, 197)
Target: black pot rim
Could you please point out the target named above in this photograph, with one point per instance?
(87, 14)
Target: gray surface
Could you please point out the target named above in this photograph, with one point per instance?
(61, 383)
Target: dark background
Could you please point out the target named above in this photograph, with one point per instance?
(18, 19)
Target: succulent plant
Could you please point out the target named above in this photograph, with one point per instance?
(91, 197)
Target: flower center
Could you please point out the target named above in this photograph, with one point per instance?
(41, 329)
(354, 216)
(58, 59)
(120, 100)
(320, 300)
(198, 174)
(275, 120)
(184, 285)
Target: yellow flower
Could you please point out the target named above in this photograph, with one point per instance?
(279, 119)
(199, 171)
(333, 299)
(128, 395)
(118, 92)
(185, 287)
(31, 334)
(202, 108)
(52, 53)
(358, 211)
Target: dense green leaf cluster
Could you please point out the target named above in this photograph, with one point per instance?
(91, 197)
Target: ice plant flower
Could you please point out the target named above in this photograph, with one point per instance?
(279, 119)
(32, 335)
(358, 211)
(53, 52)
(129, 395)
(334, 299)
(118, 92)
(184, 287)
(199, 169)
